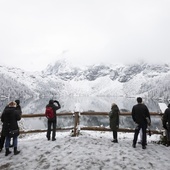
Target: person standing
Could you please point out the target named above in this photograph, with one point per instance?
(52, 121)
(140, 115)
(10, 118)
(114, 121)
(2, 141)
(18, 107)
(166, 124)
(19, 110)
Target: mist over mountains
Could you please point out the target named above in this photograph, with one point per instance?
(64, 79)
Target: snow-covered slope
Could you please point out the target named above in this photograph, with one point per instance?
(61, 78)
(90, 151)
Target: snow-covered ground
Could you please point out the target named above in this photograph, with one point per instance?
(89, 151)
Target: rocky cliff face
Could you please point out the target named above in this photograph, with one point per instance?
(62, 78)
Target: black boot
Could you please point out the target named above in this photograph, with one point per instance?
(16, 152)
(7, 152)
(115, 141)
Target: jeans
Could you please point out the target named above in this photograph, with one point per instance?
(8, 139)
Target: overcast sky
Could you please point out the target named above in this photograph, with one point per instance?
(34, 33)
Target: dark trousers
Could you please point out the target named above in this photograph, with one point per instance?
(137, 129)
(114, 134)
(2, 141)
(167, 132)
(53, 124)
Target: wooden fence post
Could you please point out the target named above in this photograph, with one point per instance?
(76, 124)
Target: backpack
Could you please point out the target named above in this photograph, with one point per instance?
(49, 113)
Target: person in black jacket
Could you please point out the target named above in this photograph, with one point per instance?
(10, 118)
(166, 124)
(114, 121)
(141, 116)
(18, 108)
(52, 122)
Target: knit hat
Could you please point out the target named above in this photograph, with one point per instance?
(17, 102)
(51, 101)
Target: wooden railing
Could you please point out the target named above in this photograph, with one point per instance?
(76, 127)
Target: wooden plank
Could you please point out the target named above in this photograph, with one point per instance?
(44, 130)
(86, 114)
(119, 130)
(43, 115)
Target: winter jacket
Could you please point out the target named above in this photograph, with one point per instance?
(10, 118)
(54, 107)
(18, 108)
(166, 119)
(114, 117)
(139, 114)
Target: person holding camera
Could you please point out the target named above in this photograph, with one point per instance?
(50, 113)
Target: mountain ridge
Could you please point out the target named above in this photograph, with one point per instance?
(62, 78)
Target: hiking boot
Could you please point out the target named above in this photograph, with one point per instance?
(53, 139)
(7, 152)
(134, 146)
(168, 144)
(115, 141)
(143, 147)
(16, 152)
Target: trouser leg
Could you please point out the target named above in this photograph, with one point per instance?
(7, 144)
(144, 134)
(137, 129)
(15, 141)
(54, 130)
(7, 141)
(49, 130)
(2, 141)
(115, 134)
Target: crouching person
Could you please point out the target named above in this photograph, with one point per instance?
(10, 118)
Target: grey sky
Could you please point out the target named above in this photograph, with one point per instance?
(34, 33)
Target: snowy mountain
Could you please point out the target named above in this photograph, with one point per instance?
(62, 78)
